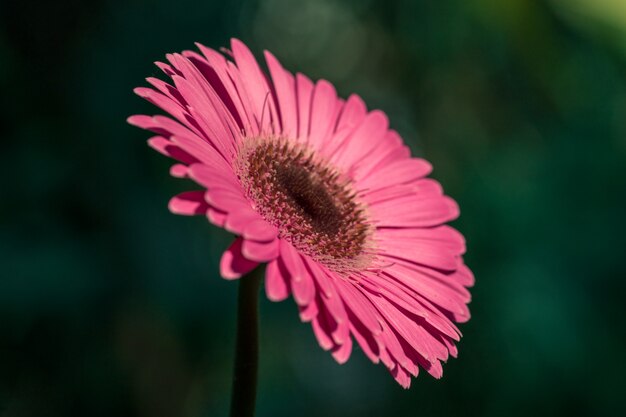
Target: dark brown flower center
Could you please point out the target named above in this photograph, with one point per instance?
(310, 196)
(313, 207)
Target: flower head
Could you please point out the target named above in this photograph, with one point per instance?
(326, 194)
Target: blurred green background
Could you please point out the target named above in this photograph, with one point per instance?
(111, 306)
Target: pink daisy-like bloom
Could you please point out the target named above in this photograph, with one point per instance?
(325, 193)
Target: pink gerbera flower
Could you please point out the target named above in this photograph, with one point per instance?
(325, 193)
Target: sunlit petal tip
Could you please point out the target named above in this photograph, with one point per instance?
(233, 264)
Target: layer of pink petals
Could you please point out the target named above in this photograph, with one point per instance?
(401, 313)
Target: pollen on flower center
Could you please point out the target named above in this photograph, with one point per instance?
(312, 206)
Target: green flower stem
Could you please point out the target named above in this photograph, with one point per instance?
(247, 346)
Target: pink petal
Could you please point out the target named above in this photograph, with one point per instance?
(359, 305)
(402, 377)
(233, 264)
(308, 312)
(430, 339)
(226, 200)
(434, 369)
(428, 187)
(212, 121)
(365, 340)
(179, 170)
(218, 63)
(464, 276)
(162, 101)
(435, 316)
(239, 219)
(341, 334)
(203, 97)
(261, 251)
(143, 122)
(446, 278)
(404, 298)
(389, 150)
(364, 139)
(167, 148)
(454, 352)
(260, 230)
(400, 172)
(216, 216)
(393, 192)
(385, 356)
(254, 127)
(416, 213)
(347, 118)
(187, 129)
(353, 113)
(167, 127)
(420, 252)
(167, 68)
(168, 90)
(330, 298)
(342, 352)
(433, 290)
(323, 114)
(217, 175)
(221, 86)
(420, 340)
(393, 345)
(336, 308)
(276, 286)
(179, 135)
(320, 275)
(321, 334)
(304, 88)
(301, 280)
(284, 83)
(255, 84)
(189, 203)
(440, 236)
